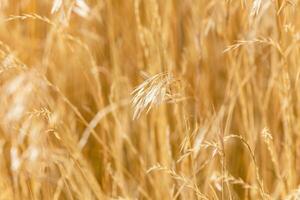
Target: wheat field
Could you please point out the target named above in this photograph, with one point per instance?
(150, 99)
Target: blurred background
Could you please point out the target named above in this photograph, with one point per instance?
(149, 99)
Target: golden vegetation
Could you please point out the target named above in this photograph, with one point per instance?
(149, 99)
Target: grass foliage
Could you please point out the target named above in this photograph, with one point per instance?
(149, 99)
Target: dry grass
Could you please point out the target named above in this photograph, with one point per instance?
(149, 99)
